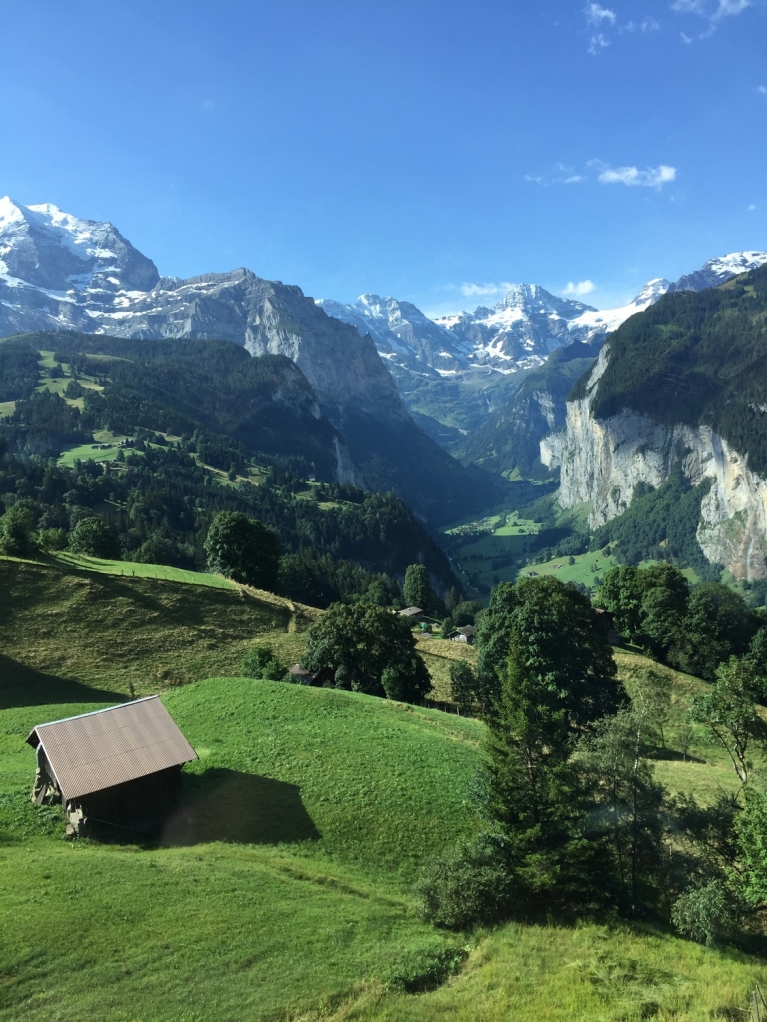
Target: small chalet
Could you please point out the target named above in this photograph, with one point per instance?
(114, 768)
(464, 634)
(614, 637)
(412, 613)
(300, 675)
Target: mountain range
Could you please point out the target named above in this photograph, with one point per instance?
(520, 332)
(486, 384)
(60, 273)
(681, 390)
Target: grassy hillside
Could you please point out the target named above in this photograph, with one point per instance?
(284, 889)
(325, 801)
(64, 632)
(287, 896)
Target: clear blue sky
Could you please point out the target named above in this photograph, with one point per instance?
(411, 148)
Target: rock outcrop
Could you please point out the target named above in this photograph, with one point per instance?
(602, 461)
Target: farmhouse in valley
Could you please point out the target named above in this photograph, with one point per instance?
(464, 634)
(118, 768)
(413, 613)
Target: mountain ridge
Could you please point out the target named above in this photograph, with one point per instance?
(685, 384)
(97, 272)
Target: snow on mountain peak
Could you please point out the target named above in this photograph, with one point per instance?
(651, 292)
(10, 212)
(736, 262)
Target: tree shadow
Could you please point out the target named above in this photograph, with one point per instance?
(24, 686)
(226, 805)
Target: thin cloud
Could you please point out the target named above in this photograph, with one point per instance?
(476, 290)
(647, 25)
(596, 15)
(752, 207)
(633, 177)
(582, 287)
(597, 44)
(762, 89)
(713, 11)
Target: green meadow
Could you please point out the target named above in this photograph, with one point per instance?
(284, 890)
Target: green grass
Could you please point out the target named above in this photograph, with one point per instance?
(286, 894)
(135, 569)
(68, 632)
(326, 802)
(587, 974)
(438, 654)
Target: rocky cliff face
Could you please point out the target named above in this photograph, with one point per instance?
(509, 440)
(603, 461)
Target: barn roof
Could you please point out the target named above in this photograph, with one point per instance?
(98, 750)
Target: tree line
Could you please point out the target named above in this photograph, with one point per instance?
(570, 816)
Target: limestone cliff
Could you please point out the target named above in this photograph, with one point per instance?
(603, 460)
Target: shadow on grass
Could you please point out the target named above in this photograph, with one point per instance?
(226, 805)
(24, 686)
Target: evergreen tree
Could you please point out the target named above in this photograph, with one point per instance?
(614, 761)
(559, 678)
(561, 639)
(463, 686)
(532, 791)
(417, 590)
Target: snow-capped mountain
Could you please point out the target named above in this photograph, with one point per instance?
(402, 333)
(58, 272)
(520, 331)
(594, 325)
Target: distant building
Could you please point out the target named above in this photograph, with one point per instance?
(464, 634)
(300, 676)
(414, 613)
(614, 637)
(112, 770)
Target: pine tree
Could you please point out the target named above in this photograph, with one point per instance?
(417, 589)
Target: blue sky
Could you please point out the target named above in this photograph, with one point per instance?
(428, 150)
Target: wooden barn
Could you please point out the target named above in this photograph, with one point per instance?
(112, 770)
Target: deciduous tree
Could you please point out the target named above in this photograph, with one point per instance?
(243, 549)
(352, 646)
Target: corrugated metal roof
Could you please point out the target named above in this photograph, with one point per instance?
(97, 750)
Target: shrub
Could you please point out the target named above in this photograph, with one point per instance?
(708, 914)
(16, 535)
(469, 884)
(243, 549)
(353, 647)
(394, 685)
(53, 539)
(260, 662)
